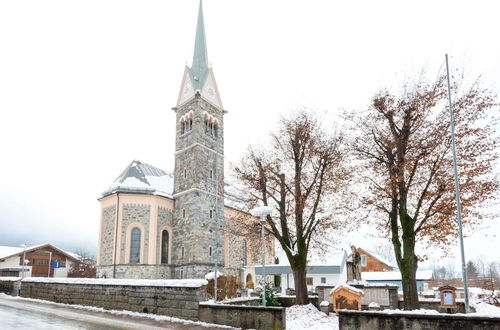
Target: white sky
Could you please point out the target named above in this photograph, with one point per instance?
(87, 86)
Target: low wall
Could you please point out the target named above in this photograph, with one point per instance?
(244, 301)
(435, 304)
(288, 301)
(246, 317)
(354, 320)
(10, 285)
(178, 298)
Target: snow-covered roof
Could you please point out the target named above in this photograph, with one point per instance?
(9, 251)
(379, 258)
(348, 287)
(394, 276)
(143, 178)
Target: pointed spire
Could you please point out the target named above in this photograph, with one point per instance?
(199, 68)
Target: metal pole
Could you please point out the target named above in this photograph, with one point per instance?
(24, 259)
(50, 259)
(457, 190)
(262, 222)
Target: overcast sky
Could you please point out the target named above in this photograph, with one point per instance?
(88, 86)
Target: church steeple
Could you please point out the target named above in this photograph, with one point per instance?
(199, 78)
(199, 67)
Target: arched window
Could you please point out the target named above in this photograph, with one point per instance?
(164, 246)
(135, 246)
(211, 124)
(186, 122)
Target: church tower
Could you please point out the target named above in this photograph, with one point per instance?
(199, 167)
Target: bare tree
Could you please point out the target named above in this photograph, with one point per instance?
(404, 148)
(301, 174)
(84, 267)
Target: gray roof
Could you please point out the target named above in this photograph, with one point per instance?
(199, 67)
(142, 178)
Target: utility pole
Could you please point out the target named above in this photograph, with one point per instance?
(50, 260)
(457, 190)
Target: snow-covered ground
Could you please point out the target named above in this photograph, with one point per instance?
(301, 317)
(484, 309)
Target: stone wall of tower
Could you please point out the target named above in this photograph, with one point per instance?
(165, 219)
(108, 216)
(195, 192)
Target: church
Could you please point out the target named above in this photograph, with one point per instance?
(156, 225)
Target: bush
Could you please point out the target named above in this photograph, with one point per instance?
(271, 295)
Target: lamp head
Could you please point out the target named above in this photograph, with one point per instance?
(260, 211)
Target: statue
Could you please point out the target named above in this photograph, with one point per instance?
(355, 260)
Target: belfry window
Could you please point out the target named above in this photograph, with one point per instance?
(135, 246)
(164, 246)
(186, 122)
(211, 124)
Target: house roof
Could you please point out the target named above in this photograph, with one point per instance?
(333, 264)
(10, 251)
(142, 178)
(379, 258)
(422, 275)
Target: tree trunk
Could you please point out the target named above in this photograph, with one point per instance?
(301, 296)
(408, 267)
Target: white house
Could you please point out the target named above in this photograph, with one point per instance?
(38, 258)
(330, 269)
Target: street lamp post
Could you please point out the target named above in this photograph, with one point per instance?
(24, 258)
(262, 212)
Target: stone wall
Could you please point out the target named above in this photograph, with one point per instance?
(135, 213)
(164, 220)
(106, 247)
(172, 301)
(384, 295)
(10, 285)
(136, 271)
(435, 304)
(246, 317)
(354, 320)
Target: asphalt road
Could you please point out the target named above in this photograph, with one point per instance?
(21, 314)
